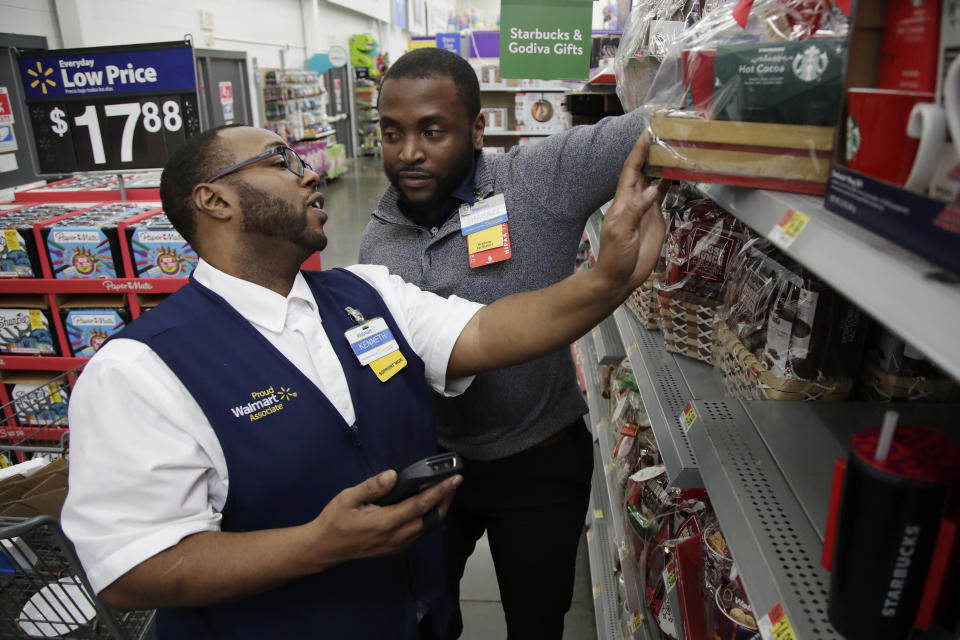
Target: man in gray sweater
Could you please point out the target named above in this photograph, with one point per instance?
(528, 456)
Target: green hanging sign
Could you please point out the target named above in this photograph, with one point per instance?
(545, 39)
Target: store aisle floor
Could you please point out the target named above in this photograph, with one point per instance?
(349, 200)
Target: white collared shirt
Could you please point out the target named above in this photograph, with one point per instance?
(146, 467)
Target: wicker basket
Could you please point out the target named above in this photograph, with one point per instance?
(689, 328)
(644, 304)
(746, 377)
(881, 386)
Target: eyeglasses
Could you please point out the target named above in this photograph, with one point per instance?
(291, 161)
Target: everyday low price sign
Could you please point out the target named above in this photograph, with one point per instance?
(110, 108)
(546, 39)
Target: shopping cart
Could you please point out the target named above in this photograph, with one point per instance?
(44, 592)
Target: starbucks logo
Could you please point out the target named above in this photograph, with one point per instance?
(853, 138)
(810, 64)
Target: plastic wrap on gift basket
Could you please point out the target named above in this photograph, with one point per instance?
(651, 28)
(698, 253)
(785, 335)
(750, 95)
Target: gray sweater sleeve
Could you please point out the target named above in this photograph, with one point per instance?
(578, 169)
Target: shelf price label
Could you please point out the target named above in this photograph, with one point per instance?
(788, 229)
(775, 625)
(689, 415)
(110, 108)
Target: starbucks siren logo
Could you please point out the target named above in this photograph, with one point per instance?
(810, 64)
(853, 138)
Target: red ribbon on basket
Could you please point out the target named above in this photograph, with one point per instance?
(741, 12)
(808, 12)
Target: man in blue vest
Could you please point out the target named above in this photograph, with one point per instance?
(228, 446)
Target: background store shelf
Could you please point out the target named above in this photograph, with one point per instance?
(665, 392)
(599, 543)
(912, 297)
(40, 363)
(91, 285)
(523, 89)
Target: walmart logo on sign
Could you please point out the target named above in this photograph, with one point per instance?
(41, 78)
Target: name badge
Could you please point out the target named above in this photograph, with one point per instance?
(485, 226)
(373, 344)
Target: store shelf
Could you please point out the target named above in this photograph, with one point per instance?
(602, 579)
(912, 297)
(607, 343)
(91, 285)
(524, 89)
(665, 386)
(768, 468)
(492, 134)
(40, 363)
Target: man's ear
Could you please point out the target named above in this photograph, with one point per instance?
(214, 200)
(479, 125)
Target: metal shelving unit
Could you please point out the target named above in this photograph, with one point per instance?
(768, 467)
(605, 500)
(599, 545)
(854, 261)
(665, 391)
(607, 342)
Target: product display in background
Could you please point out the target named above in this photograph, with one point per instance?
(87, 245)
(785, 335)
(698, 253)
(540, 113)
(495, 118)
(159, 251)
(895, 371)
(749, 99)
(295, 104)
(40, 404)
(88, 329)
(19, 257)
(26, 332)
(900, 174)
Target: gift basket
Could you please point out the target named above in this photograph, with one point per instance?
(893, 370)
(748, 95)
(698, 251)
(785, 335)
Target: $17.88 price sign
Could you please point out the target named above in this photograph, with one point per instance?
(110, 108)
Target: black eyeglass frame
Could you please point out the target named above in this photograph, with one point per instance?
(279, 150)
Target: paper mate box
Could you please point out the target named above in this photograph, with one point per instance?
(88, 329)
(87, 245)
(19, 257)
(26, 332)
(40, 404)
(159, 251)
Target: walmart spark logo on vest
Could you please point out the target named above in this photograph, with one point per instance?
(264, 402)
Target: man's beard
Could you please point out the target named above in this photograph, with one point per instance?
(273, 217)
(445, 183)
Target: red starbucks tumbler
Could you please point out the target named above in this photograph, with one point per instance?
(891, 534)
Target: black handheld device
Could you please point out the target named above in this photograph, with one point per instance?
(420, 475)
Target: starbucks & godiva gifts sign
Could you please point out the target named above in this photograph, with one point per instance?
(546, 39)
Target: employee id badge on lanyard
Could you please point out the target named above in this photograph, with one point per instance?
(485, 226)
(373, 344)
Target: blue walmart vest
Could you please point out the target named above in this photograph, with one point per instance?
(289, 452)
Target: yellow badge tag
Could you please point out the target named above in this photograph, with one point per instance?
(389, 365)
(489, 238)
